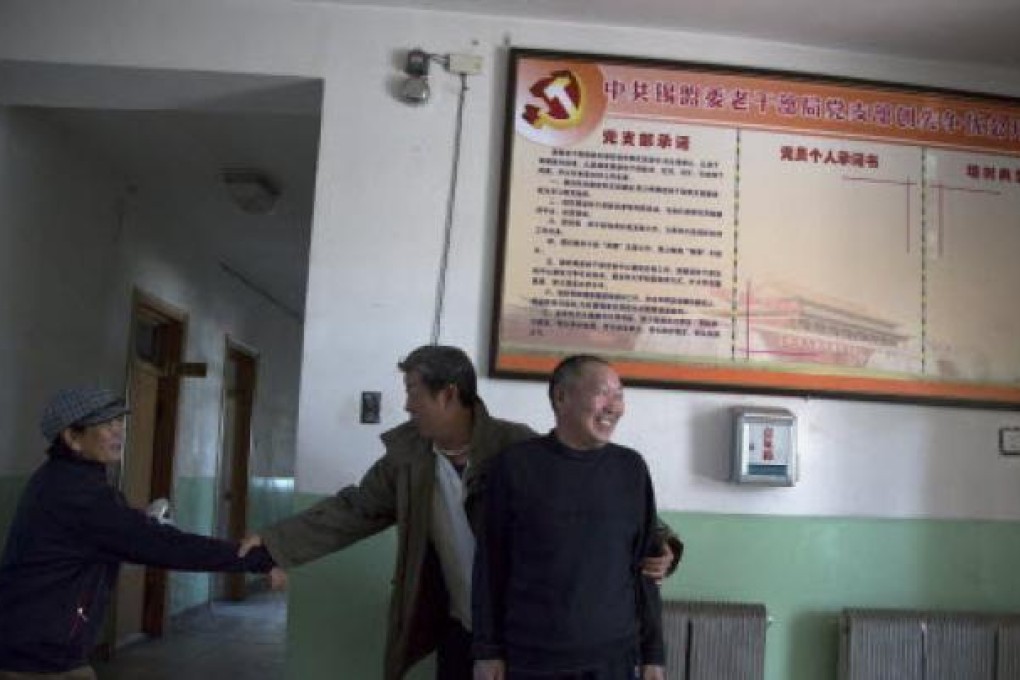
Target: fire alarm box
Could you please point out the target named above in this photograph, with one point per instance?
(764, 447)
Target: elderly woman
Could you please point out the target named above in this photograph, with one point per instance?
(70, 533)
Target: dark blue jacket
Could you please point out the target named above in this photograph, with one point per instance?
(70, 533)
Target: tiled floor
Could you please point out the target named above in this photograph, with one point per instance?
(225, 641)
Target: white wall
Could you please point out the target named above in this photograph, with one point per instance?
(57, 231)
(75, 245)
(380, 202)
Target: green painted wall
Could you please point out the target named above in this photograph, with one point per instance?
(192, 510)
(269, 499)
(804, 569)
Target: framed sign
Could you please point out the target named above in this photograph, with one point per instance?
(759, 231)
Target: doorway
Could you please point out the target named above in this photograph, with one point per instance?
(156, 349)
(240, 371)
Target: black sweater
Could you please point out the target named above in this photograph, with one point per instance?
(70, 533)
(557, 579)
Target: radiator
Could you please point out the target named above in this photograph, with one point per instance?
(714, 640)
(1008, 656)
(879, 644)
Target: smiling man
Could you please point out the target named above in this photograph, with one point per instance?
(570, 517)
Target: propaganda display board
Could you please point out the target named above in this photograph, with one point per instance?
(759, 231)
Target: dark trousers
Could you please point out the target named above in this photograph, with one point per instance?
(453, 657)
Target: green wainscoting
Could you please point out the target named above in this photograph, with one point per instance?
(193, 510)
(804, 569)
(269, 499)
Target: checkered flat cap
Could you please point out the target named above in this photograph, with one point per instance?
(80, 406)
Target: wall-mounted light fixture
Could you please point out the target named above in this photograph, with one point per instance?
(252, 191)
(415, 88)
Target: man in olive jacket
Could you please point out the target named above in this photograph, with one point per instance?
(429, 483)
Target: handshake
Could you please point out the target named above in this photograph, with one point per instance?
(277, 576)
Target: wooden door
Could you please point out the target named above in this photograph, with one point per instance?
(136, 483)
(157, 347)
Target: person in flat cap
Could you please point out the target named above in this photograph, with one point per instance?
(70, 533)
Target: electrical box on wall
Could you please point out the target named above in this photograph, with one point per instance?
(764, 447)
(1009, 441)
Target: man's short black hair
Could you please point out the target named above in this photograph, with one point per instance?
(442, 365)
(569, 369)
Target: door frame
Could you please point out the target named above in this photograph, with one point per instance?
(146, 305)
(234, 468)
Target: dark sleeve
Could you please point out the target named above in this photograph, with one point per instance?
(355, 512)
(130, 535)
(653, 651)
(492, 567)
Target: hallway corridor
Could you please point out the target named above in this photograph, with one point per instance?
(225, 641)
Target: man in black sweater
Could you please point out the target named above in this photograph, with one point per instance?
(69, 535)
(558, 590)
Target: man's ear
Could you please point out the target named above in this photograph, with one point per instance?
(67, 435)
(452, 394)
(557, 398)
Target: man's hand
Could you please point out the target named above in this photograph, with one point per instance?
(277, 579)
(492, 669)
(247, 543)
(655, 568)
(653, 673)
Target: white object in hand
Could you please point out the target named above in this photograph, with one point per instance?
(159, 510)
